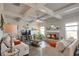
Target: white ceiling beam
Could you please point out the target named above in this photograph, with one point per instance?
(28, 14)
(12, 14)
(42, 8)
(68, 10)
(3, 12)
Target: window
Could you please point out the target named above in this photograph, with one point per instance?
(42, 30)
(71, 30)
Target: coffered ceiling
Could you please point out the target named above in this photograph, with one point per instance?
(33, 11)
(56, 6)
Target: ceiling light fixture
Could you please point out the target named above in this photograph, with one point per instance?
(38, 21)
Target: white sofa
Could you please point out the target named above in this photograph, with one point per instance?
(24, 49)
(69, 51)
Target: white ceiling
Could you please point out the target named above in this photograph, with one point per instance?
(56, 6)
(30, 12)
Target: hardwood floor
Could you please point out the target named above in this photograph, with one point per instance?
(35, 51)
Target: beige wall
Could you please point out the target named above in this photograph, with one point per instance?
(52, 21)
(62, 22)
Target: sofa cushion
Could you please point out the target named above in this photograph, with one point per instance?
(63, 44)
(71, 39)
(60, 46)
(24, 49)
(7, 41)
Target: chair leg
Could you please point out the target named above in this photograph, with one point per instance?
(26, 55)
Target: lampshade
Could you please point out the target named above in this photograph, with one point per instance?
(10, 28)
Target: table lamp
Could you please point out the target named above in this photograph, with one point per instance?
(10, 29)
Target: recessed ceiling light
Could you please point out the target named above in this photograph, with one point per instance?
(38, 21)
(42, 10)
(52, 26)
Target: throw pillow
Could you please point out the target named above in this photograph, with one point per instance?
(53, 44)
(60, 46)
(17, 42)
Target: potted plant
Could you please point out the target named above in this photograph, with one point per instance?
(38, 36)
